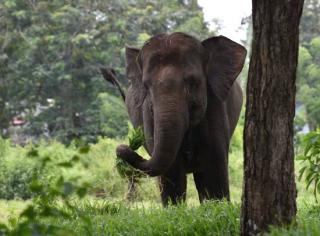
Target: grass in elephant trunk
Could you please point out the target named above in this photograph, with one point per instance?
(126, 171)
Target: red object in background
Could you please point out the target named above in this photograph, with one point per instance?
(18, 121)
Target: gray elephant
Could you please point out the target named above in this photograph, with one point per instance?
(183, 93)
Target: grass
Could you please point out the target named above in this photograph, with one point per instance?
(111, 215)
(214, 218)
(9, 209)
(307, 222)
(100, 217)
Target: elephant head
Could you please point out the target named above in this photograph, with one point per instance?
(176, 73)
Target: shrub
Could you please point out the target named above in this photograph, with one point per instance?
(51, 199)
(15, 172)
(17, 167)
(14, 180)
(310, 158)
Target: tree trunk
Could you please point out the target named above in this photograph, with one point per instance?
(269, 192)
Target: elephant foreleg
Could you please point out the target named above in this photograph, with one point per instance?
(173, 185)
(213, 182)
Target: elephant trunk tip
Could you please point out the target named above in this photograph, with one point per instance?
(123, 151)
(127, 154)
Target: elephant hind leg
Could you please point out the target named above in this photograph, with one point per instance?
(173, 186)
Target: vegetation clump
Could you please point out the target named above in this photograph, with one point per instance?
(310, 158)
(125, 170)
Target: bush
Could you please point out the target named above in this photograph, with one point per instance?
(97, 168)
(17, 167)
(310, 158)
(15, 172)
(51, 199)
(14, 180)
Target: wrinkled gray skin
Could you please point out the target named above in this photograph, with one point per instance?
(183, 92)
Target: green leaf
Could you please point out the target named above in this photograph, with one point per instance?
(311, 159)
(301, 158)
(318, 185)
(309, 180)
(301, 172)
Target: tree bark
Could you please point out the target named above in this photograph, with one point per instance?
(269, 191)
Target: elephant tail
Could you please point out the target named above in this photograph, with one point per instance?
(110, 76)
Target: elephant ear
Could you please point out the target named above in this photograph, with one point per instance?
(225, 62)
(134, 73)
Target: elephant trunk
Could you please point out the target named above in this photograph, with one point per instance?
(170, 122)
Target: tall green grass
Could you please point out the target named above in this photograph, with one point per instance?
(103, 218)
(104, 211)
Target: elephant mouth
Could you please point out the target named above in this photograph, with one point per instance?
(189, 151)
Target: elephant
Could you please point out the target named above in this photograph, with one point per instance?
(184, 94)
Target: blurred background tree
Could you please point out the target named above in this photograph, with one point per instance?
(51, 50)
(308, 77)
(308, 74)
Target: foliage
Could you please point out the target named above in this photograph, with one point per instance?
(136, 140)
(17, 168)
(15, 175)
(311, 159)
(100, 172)
(105, 218)
(308, 74)
(310, 21)
(47, 194)
(51, 50)
(308, 77)
(211, 218)
(92, 215)
(14, 180)
(307, 223)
